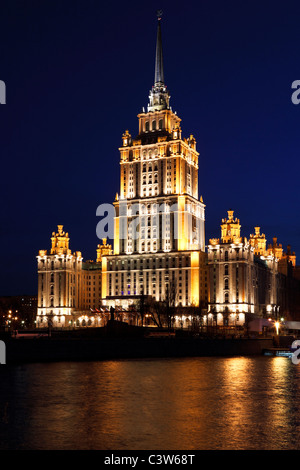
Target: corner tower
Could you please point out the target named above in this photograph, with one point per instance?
(59, 282)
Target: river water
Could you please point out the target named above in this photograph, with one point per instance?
(159, 404)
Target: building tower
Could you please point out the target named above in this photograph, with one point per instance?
(59, 280)
(258, 241)
(159, 239)
(242, 275)
(69, 289)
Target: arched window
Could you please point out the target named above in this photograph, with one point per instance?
(154, 125)
(226, 270)
(147, 126)
(226, 298)
(160, 124)
(226, 284)
(226, 255)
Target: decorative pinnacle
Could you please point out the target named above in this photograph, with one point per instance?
(159, 96)
(159, 68)
(159, 14)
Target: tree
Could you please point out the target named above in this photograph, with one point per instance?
(112, 313)
(163, 311)
(50, 317)
(170, 302)
(157, 310)
(142, 305)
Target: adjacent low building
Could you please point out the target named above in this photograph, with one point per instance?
(248, 280)
(69, 289)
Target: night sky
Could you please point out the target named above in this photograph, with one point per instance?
(77, 73)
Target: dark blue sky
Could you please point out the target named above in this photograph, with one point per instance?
(77, 74)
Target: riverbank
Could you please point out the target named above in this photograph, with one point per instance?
(96, 349)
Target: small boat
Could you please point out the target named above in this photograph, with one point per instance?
(282, 352)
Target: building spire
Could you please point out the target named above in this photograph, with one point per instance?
(159, 96)
(159, 66)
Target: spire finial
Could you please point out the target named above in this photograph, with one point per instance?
(159, 14)
(159, 68)
(159, 96)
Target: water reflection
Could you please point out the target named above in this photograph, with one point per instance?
(184, 404)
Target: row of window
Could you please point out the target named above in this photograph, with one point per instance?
(156, 262)
(57, 264)
(153, 125)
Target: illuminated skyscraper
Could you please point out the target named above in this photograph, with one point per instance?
(159, 237)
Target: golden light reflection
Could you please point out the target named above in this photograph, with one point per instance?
(182, 403)
(235, 410)
(277, 403)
